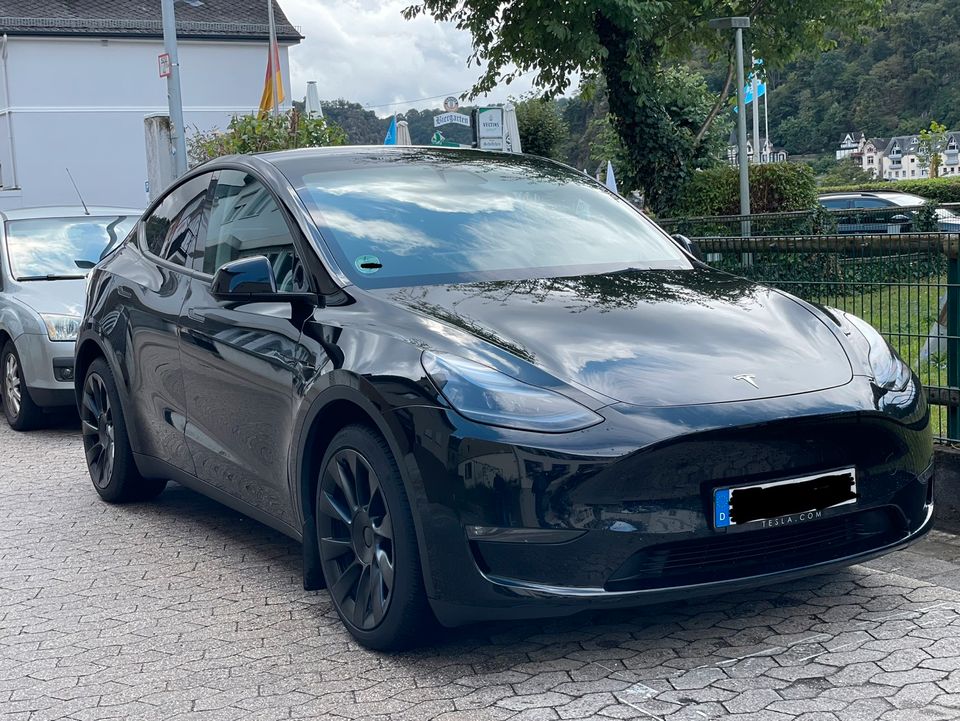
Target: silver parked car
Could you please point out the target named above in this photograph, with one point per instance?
(883, 211)
(45, 254)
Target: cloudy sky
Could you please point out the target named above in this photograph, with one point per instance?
(364, 51)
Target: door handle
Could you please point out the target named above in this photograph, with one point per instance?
(193, 315)
(124, 292)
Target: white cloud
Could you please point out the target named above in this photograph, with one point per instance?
(364, 51)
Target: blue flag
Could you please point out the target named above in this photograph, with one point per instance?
(748, 93)
(391, 137)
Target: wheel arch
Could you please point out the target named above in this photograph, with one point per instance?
(89, 348)
(333, 410)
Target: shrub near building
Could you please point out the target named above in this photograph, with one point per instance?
(775, 187)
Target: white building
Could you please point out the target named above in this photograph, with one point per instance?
(851, 144)
(77, 78)
(896, 158)
(769, 153)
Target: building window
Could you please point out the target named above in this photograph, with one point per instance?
(913, 172)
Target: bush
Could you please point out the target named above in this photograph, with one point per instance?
(776, 187)
(254, 134)
(941, 190)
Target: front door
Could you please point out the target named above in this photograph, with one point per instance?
(240, 360)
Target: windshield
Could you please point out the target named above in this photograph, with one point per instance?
(38, 248)
(440, 217)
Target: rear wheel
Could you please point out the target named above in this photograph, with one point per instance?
(368, 545)
(105, 443)
(21, 412)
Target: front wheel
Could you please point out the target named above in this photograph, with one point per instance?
(21, 412)
(368, 545)
(106, 444)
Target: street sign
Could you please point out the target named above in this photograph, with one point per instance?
(451, 105)
(165, 69)
(490, 128)
(438, 139)
(451, 119)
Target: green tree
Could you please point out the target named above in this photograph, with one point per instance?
(932, 143)
(542, 129)
(633, 43)
(252, 134)
(842, 172)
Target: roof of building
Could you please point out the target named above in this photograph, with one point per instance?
(216, 19)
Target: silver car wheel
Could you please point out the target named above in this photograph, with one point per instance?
(11, 384)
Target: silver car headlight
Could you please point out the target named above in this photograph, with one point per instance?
(488, 396)
(61, 327)
(889, 370)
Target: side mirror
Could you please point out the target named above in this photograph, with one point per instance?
(688, 245)
(251, 280)
(244, 277)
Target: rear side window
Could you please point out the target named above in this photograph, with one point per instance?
(171, 229)
(835, 203)
(871, 203)
(245, 220)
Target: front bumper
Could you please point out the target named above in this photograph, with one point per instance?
(47, 369)
(515, 525)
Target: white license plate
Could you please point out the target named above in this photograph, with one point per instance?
(782, 502)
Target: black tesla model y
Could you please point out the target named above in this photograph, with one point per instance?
(481, 386)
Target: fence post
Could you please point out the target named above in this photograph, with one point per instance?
(953, 327)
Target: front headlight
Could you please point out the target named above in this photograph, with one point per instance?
(488, 396)
(888, 368)
(61, 327)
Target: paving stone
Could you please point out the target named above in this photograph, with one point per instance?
(182, 609)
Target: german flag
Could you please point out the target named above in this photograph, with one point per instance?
(273, 78)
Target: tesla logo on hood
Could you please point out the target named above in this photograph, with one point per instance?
(747, 378)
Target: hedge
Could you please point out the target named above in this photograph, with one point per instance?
(942, 190)
(773, 188)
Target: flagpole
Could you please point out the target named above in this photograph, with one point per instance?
(766, 116)
(756, 112)
(274, 58)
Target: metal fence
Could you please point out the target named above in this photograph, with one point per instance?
(907, 284)
(889, 220)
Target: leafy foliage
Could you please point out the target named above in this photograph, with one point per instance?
(774, 188)
(542, 128)
(634, 44)
(253, 134)
(940, 190)
(932, 143)
(892, 82)
(842, 172)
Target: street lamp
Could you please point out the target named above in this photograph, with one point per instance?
(738, 24)
(177, 131)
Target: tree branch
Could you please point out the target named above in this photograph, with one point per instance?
(715, 110)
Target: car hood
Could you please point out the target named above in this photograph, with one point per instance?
(655, 338)
(64, 297)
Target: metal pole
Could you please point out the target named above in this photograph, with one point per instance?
(742, 140)
(179, 142)
(274, 57)
(953, 331)
(755, 84)
(766, 117)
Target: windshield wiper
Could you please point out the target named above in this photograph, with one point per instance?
(52, 276)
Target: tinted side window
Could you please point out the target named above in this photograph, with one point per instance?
(835, 204)
(871, 203)
(245, 220)
(175, 223)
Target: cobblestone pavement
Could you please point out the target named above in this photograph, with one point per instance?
(181, 608)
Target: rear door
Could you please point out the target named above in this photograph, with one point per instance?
(240, 360)
(151, 285)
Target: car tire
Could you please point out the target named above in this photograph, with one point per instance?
(105, 442)
(21, 412)
(368, 543)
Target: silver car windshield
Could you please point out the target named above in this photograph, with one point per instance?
(52, 248)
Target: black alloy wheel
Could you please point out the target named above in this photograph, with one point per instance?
(96, 418)
(106, 446)
(368, 549)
